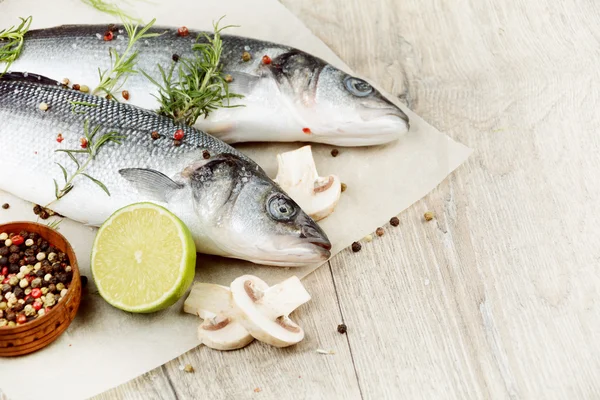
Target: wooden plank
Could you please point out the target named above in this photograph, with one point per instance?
(497, 297)
(297, 372)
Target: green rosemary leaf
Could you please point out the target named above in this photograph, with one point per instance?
(201, 87)
(74, 159)
(64, 171)
(11, 42)
(54, 224)
(72, 151)
(55, 188)
(97, 182)
(109, 8)
(74, 104)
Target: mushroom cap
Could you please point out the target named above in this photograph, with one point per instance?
(264, 315)
(221, 333)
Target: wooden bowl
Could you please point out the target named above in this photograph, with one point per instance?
(35, 335)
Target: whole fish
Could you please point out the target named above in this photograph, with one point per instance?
(231, 206)
(289, 95)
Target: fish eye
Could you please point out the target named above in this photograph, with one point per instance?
(358, 87)
(281, 209)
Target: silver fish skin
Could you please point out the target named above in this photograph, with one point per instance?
(231, 206)
(295, 97)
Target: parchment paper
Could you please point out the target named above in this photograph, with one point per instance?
(105, 347)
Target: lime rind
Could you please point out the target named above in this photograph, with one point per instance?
(186, 270)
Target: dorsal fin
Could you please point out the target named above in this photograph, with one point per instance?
(28, 77)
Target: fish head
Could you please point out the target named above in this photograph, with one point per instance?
(336, 106)
(249, 216)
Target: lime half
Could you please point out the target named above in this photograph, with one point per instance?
(143, 258)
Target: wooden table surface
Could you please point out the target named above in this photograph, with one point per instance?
(498, 297)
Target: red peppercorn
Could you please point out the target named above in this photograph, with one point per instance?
(5, 281)
(18, 240)
(306, 130)
(36, 293)
(47, 309)
(37, 305)
(60, 138)
(29, 278)
(83, 142)
(21, 319)
(183, 31)
(178, 134)
(27, 297)
(4, 271)
(125, 94)
(266, 60)
(108, 36)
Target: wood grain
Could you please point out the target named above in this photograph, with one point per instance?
(497, 297)
(297, 372)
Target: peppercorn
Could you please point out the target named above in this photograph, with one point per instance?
(108, 36)
(344, 187)
(266, 60)
(21, 319)
(62, 277)
(342, 328)
(30, 300)
(19, 293)
(228, 78)
(183, 31)
(246, 56)
(13, 268)
(43, 106)
(31, 260)
(428, 216)
(18, 307)
(177, 143)
(369, 238)
(76, 86)
(34, 236)
(36, 283)
(11, 316)
(179, 133)
(56, 267)
(205, 154)
(62, 257)
(175, 57)
(4, 251)
(40, 256)
(8, 242)
(3, 260)
(5, 206)
(154, 135)
(394, 221)
(44, 214)
(23, 234)
(125, 94)
(53, 281)
(5, 288)
(3, 305)
(52, 288)
(39, 274)
(14, 248)
(29, 252)
(356, 247)
(335, 152)
(379, 231)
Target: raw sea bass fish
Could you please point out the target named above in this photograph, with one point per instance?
(293, 96)
(231, 206)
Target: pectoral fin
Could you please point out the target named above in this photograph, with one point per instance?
(150, 182)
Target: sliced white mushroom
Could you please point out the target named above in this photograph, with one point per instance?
(297, 175)
(265, 310)
(220, 328)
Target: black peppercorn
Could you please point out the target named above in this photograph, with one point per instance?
(47, 269)
(335, 152)
(20, 293)
(51, 250)
(31, 260)
(5, 205)
(13, 269)
(30, 300)
(34, 248)
(29, 252)
(52, 287)
(6, 288)
(18, 307)
(62, 257)
(44, 214)
(14, 248)
(56, 267)
(3, 260)
(37, 209)
(175, 57)
(356, 247)
(4, 251)
(342, 328)
(11, 316)
(177, 143)
(33, 236)
(13, 259)
(46, 263)
(394, 221)
(24, 234)
(44, 245)
(53, 281)
(205, 154)
(22, 262)
(39, 273)
(62, 277)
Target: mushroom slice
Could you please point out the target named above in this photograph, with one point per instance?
(265, 310)
(220, 328)
(297, 175)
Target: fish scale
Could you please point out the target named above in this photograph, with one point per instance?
(225, 210)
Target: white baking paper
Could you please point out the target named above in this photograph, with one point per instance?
(105, 347)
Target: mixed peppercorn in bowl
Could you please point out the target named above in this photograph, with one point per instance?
(40, 286)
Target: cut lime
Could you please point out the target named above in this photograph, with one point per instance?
(143, 258)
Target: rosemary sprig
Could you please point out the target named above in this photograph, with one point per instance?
(11, 42)
(91, 150)
(54, 224)
(201, 88)
(74, 105)
(124, 64)
(110, 8)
